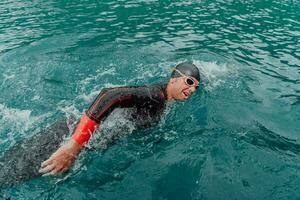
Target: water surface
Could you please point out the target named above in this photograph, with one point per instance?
(236, 138)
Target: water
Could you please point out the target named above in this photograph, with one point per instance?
(236, 138)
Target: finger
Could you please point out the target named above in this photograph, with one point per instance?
(47, 162)
(48, 174)
(64, 169)
(53, 172)
(47, 168)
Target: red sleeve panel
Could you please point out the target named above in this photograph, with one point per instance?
(84, 130)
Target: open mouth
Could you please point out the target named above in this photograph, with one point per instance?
(186, 94)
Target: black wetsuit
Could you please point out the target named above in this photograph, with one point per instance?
(23, 160)
(148, 102)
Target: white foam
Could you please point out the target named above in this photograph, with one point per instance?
(7, 77)
(73, 116)
(16, 117)
(117, 125)
(215, 74)
(17, 121)
(110, 71)
(90, 81)
(70, 111)
(88, 98)
(99, 73)
(36, 98)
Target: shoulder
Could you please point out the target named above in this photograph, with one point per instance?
(156, 91)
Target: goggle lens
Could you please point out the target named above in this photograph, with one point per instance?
(190, 82)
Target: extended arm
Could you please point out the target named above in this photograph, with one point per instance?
(63, 158)
(106, 101)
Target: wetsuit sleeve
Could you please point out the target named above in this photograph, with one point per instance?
(84, 130)
(104, 104)
(111, 98)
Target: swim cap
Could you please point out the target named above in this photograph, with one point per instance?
(188, 70)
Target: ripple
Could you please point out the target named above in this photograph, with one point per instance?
(60, 54)
(263, 137)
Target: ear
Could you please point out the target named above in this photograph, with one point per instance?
(172, 80)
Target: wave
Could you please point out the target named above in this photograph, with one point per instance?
(214, 74)
(262, 137)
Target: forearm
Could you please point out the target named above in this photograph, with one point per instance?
(84, 130)
(73, 147)
(62, 159)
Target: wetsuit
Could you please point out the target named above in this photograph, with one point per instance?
(148, 102)
(23, 160)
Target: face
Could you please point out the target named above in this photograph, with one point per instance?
(182, 88)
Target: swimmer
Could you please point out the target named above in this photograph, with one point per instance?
(148, 101)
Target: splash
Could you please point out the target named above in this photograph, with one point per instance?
(19, 120)
(15, 123)
(99, 74)
(94, 80)
(88, 98)
(117, 125)
(214, 74)
(72, 115)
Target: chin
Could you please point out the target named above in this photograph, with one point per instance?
(182, 98)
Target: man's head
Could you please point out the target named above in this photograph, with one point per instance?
(184, 81)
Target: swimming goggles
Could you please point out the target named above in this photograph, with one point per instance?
(190, 81)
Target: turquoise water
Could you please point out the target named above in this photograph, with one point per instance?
(236, 138)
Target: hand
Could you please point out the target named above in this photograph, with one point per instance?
(61, 160)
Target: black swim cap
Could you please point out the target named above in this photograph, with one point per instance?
(188, 70)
